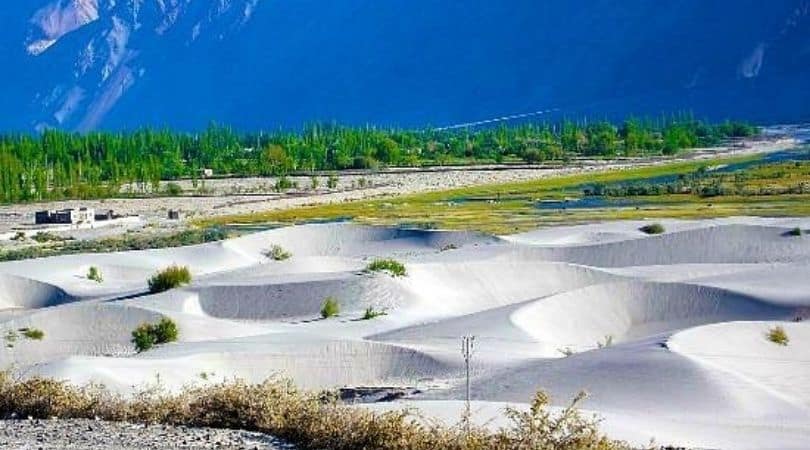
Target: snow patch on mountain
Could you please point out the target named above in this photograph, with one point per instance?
(59, 18)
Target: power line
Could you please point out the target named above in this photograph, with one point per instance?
(496, 119)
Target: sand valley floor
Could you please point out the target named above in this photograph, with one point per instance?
(666, 332)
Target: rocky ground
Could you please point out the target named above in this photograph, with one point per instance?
(90, 434)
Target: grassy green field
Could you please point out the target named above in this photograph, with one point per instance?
(761, 189)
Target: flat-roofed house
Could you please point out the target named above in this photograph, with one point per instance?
(69, 216)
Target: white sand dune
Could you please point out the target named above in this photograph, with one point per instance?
(299, 299)
(726, 244)
(456, 288)
(739, 348)
(579, 319)
(74, 329)
(348, 240)
(686, 314)
(19, 292)
(313, 363)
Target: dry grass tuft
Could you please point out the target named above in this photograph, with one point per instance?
(309, 420)
(391, 266)
(777, 335)
(277, 253)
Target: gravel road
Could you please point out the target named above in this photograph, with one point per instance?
(90, 434)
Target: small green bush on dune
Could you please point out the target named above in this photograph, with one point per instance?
(94, 274)
(277, 253)
(148, 335)
(778, 336)
(33, 333)
(795, 232)
(393, 267)
(653, 228)
(169, 278)
(371, 313)
(330, 307)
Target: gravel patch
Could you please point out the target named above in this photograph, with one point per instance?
(90, 434)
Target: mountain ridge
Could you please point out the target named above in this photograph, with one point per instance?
(112, 64)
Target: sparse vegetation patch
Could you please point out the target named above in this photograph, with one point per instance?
(653, 228)
(33, 333)
(277, 253)
(10, 337)
(148, 335)
(391, 266)
(371, 313)
(94, 274)
(330, 307)
(46, 236)
(118, 244)
(169, 278)
(308, 420)
(778, 336)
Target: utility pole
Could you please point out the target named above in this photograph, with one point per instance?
(467, 349)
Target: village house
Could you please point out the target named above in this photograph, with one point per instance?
(71, 216)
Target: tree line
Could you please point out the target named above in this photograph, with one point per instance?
(57, 165)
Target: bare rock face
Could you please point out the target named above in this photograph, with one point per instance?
(99, 45)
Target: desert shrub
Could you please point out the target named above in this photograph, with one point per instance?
(143, 338)
(532, 156)
(169, 278)
(371, 313)
(277, 253)
(94, 274)
(130, 241)
(148, 335)
(448, 247)
(173, 189)
(392, 266)
(330, 307)
(795, 232)
(307, 420)
(46, 236)
(653, 228)
(332, 181)
(33, 333)
(314, 183)
(283, 183)
(212, 234)
(777, 335)
(19, 236)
